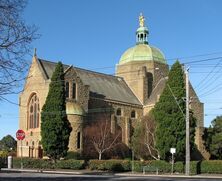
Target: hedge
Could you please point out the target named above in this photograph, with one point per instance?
(73, 155)
(160, 165)
(3, 162)
(110, 165)
(126, 165)
(211, 166)
(196, 167)
(33, 163)
(47, 164)
(70, 164)
(179, 167)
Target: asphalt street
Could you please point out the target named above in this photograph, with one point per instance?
(65, 177)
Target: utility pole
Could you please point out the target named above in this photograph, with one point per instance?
(187, 171)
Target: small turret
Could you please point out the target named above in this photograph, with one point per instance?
(142, 32)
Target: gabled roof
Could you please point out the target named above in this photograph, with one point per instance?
(101, 85)
(157, 91)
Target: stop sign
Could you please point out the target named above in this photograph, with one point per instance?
(20, 134)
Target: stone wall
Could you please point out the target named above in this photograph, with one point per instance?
(82, 90)
(124, 121)
(76, 122)
(198, 109)
(142, 76)
(35, 84)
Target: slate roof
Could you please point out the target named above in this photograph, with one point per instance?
(101, 85)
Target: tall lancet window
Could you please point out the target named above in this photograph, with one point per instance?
(67, 89)
(74, 90)
(33, 112)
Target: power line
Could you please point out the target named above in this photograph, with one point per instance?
(205, 78)
(211, 81)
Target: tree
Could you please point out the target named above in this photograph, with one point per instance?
(169, 114)
(213, 138)
(207, 137)
(55, 128)
(100, 138)
(143, 139)
(15, 40)
(8, 143)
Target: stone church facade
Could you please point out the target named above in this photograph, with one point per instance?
(125, 98)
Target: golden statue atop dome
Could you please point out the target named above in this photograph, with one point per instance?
(141, 20)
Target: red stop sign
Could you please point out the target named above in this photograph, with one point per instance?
(20, 134)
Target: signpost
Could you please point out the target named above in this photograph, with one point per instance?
(172, 151)
(20, 135)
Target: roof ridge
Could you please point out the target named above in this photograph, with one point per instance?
(101, 73)
(108, 86)
(114, 76)
(50, 61)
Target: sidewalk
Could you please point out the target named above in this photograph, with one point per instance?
(206, 176)
(40, 171)
(125, 174)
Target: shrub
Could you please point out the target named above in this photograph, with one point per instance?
(110, 165)
(195, 167)
(3, 154)
(211, 166)
(70, 164)
(33, 163)
(138, 165)
(3, 162)
(162, 166)
(48, 164)
(73, 155)
(179, 167)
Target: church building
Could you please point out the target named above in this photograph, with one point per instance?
(139, 80)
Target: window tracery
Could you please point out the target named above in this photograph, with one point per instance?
(33, 114)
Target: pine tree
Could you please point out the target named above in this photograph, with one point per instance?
(213, 138)
(55, 127)
(170, 118)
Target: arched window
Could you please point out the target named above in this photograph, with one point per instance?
(133, 114)
(74, 90)
(78, 140)
(33, 112)
(149, 84)
(118, 112)
(67, 89)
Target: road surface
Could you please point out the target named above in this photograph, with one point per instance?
(65, 177)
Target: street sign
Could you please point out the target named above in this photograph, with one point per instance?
(172, 150)
(20, 134)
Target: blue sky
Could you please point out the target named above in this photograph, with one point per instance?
(94, 34)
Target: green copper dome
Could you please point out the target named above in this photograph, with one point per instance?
(142, 52)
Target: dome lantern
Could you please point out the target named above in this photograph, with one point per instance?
(142, 32)
(142, 51)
